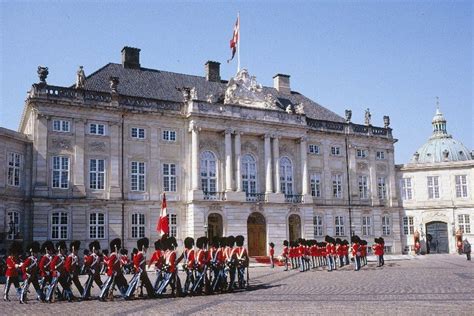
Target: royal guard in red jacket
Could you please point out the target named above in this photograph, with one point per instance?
(44, 269)
(377, 251)
(285, 253)
(356, 251)
(72, 266)
(92, 266)
(188, 258)
(140, 273)
(231, 261)
(363, 252)
(58, 272)
(215, 258)
(339, 252)
(169, 267)
(114, 272)
(345, 251)
(30, 269)
(330, 252)
(13, 264)
(104, 261)
(271, 253)
(200, 265)
(157, 260)
(242, 262)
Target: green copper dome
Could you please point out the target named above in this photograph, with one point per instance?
(441, 146)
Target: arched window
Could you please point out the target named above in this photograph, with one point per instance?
(286, 176)
(59, 225)
(249, 174)
(208, 172)
(13, 225)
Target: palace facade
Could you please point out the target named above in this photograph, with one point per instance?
(91, 161)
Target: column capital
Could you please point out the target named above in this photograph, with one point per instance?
(276, 136)
(302, 139)
(229, 131)
(238, 132)
(193, 126)
(266, 135)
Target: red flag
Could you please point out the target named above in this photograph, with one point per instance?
(235, 38)
(163, 226)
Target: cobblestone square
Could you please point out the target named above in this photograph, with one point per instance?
(426, 285)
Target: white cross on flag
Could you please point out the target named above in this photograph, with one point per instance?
(235, 38)
(163, 226)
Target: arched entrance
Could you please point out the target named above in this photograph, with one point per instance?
(214, 225)
(257, 234)
(294, 227)
(439, 242)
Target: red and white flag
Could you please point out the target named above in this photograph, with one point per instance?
(163, 226)
(234, 42)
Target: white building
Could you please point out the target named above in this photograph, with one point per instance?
(436, 192)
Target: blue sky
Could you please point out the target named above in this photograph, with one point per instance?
(391, 57)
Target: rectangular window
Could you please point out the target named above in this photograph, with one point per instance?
(318, 226)
(464, 223)
(138, 225)
(61, 126)
(97, 174)
(169, 177)
(316, 185)
(96, 129)
(339, 225)
(96, 225)
(14, 169)
(408, 225)
(169, 136)
(335, 150)
(366, 225)
(13, 225)
(461, 186)
(59, 225)
(337, 186)
(363, 187)
(137, 179)
(138, 133)
(361, 153)
(381, 188)
(386, 228)
(380, 155)
(433, 187)
(60, 172)
(406, 189)
(173, 223)
(314, 149)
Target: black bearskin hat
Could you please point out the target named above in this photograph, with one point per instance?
(230, 241)
(15, 248)
(173, 244)
(188, 242)
(47, 246)
(382, 241)
(327, 238)
(158, 245)
(115, 244)
(34, 247)
(75, 245)
(338, 241)
(123, 252)
(223, 241)
(86, 252)
(239, 240)
(285, 243)
(200, 242)
(105, 252)
(272, 245)
(94, 245)
(215, 242)
(61, 245)
(355, 239)
(143, 243)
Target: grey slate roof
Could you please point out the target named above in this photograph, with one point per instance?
(163, 85)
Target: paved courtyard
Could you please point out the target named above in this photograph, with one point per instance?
(426, 285)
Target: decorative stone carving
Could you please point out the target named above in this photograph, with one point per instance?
(210, 98)
(386, 121)
(362, 166)
(293, 209)
(256, 207)
(80, 78)
(348, 115)
(193, 93)
(97, 146)
(299, 109)
(243, 89)
(368, 117)
(61, 143)
(207, 144)
(215, 208)
(114, 82)
(42, 74)
(249, 147)
(289, 109)
(381, 168)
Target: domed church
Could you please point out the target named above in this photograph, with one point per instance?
(436, 194)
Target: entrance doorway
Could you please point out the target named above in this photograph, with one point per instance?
(214, 226)
(257, 234)
(439, 237)
(294, 227)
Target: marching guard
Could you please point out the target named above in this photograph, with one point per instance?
(140, 275)
(114, 273)
(72, 266)
(92, 267)
(157, 260)
(13, 263)
(30, 271)
(188, 264)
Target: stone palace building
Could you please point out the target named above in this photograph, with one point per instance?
(92, 160)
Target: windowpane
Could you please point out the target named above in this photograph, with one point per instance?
(59, 225)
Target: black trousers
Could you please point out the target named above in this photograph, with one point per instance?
(11, 280)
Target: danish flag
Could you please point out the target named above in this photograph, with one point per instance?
(235, 38)
(163, 226)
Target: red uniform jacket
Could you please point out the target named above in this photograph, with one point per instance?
(113, 264)
(72, 263)
(272, 252)
(189, 258)
(355, 250)
(12, 270)
(285, 252)
(157, 259)
(139, 262)
(170, 258)
(201, 259)
(57, 265)
(29, 266)
(88, 259)
(44, 265)
(216, 255)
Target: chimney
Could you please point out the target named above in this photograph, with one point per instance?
(131, 57)
(213, 71)
(282, 83)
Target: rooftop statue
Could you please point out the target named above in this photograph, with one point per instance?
(80, 78)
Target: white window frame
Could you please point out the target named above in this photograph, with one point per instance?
(97, 177)
(97, 228)
(61, 126)
(363, 184)
(361, 153)
(433, 187)
(380, 155)
(382, 188)
(98, 129)
(337, 186)
(286, 176)
(318, 225)
(137, 225)
(63, 174)
(335, 151)
(61, 228)
(460, 181)
(408, 225)
(16, 217)
(367, 225)
(464, 223)
(169, 177)
(315, 183)
(15, 163)
(249, 174)
(208, 171)
(137, 178)
(406, 188)
(314, 149)
(138, 133)
(169, 135)
(173, 224)
(339, 226)
(386, 225)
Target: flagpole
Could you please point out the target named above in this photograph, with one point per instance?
(238, 43)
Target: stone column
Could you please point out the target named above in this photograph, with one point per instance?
(194, 129)
(79, 163)
(276, 162)
(238, 162)
(115, 160)
(268, 164)
(392, 181)
(373, 178)
(228, 159)
(40, 152)
(304, 166)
